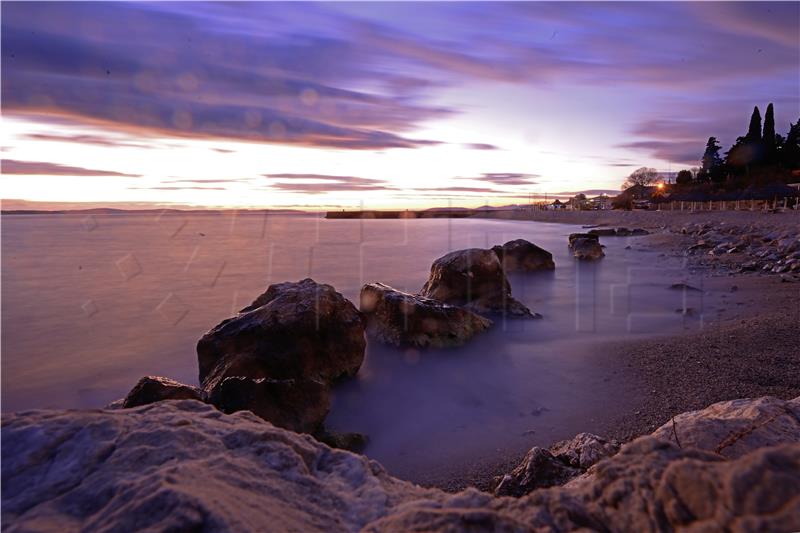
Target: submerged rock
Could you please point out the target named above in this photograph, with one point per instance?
(152, 389)
(178, 466)
(587, 249)
(603, 232)
(475, 279)
(523, 256)
(302, 330)
(299, 405)
(402, 319)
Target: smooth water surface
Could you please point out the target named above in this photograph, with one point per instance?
(92, 303)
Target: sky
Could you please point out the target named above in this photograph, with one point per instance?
(376, 105)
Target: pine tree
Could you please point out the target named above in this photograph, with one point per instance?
(754, 131)
(790, 151)
(712, 162)
(769, 135)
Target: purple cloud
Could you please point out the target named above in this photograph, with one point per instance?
(35, 168)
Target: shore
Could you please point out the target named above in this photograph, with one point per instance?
(750, 349)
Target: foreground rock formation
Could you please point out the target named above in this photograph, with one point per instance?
(302, 330)
(473, 278)
(523, 256)
(403, 319)
(183, 465)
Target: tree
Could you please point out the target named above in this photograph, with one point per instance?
(754, 131)
(643, 177)
(790, 151)
(684, 177)
(768, 138)
(711, 168)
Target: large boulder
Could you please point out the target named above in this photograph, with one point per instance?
(735, 427)
(473, 278)
(402, 319)
(587, 249)
(152, 389)
(178, 466)
(302, 330)
(295, 404)
(523, 256)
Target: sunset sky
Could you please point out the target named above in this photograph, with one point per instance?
(377, 104)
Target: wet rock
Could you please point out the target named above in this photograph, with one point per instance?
(736, 427)
(636, 232)
(523, 256)
(299, 405)
(587, 249)
(475, 279)
(574, 236)
(302, 330)
(539, 469)
(152, 389)
(402, 319)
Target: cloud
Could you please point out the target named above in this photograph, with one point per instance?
(322, 183)
(181, 72)
(36, 168)
(171, 188)
(481, 146)
(232, 180)
(506, 178)
(97, 140)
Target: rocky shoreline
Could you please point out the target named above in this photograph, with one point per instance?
(279, 357)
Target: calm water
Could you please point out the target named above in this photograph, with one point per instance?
(91, 304)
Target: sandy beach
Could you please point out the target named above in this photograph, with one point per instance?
(750, 348)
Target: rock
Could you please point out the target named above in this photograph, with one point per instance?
(684, 287)
(539, 469)
(299, 405)
(353, 442)
(736, 427)
(302, 330)
(475, 279)
(574, 236)
(183, 466)
(152, 389)
(584, 450)
(564, 461)
(637, 232)
(523, 256)
(402, 319)
(587, 249)
(178, 466)
(622, 232)
(603, 232)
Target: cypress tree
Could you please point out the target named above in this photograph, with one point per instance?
(769, 134)
(754, 131)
